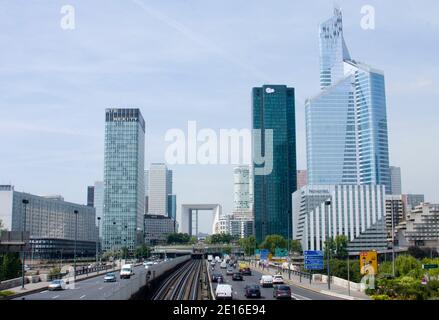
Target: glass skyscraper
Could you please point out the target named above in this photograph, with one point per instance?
(124, 190)
(274, 108)
(346, 124)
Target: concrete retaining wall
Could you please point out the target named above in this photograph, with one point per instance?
(339, 282)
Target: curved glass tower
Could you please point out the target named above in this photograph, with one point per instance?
(346, 124)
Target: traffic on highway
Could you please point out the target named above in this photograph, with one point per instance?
(233, 280)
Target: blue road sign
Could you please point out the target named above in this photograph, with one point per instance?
(264, 254)
(313, 260)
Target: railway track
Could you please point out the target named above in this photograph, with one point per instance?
(182, 284)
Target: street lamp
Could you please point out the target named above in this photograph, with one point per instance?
(327, 204)
(76, 239)
(25, 203)
(97, 245)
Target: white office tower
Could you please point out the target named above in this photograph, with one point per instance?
(158, 190)
(356, 211)
(242, 204)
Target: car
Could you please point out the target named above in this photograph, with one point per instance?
(223, 264)
(230, 271)
(266, 281)
(213, 263)
(252, 291)
(245, 271)
(57, 285)
(278, 279)
(224, 291)
(126, 271)
(282, 292)
(216, 276)
(110, 277)
(237, 276)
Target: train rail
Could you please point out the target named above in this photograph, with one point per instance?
(182, 284)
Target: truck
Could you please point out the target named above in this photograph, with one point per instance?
(126, 271)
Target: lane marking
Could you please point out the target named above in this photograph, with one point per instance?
(44, 291)
(101, 288)
(299, 297)
(55, 297)
(82, 296)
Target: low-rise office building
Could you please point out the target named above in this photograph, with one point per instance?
(356, 211)
(157, 229)
(52, 223)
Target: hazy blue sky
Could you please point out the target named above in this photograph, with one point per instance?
(195, 60)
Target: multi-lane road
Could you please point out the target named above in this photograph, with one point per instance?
(238, 287)
(90, 289)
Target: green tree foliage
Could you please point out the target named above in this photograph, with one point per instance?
(339, 268)
(296, 246)
(142, 251)
(248, 244)
(222, 238)
(272, 242)
(125, 252)
(10, 266)
(178, 238)
(337, 247)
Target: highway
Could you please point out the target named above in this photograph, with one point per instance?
(297, 292)
(90, 289)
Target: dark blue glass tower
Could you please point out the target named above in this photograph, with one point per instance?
(274, 109)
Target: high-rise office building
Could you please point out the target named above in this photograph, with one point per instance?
(346, 123)
(90, 196)
(158, 189)
(395, 178)
(99, 203)
(274, 109)
(124, 190)
(242, 204)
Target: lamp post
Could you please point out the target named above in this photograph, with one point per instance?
(97, 245)
(25, 203)
(393, 240)
(328, 250)
(76, 239)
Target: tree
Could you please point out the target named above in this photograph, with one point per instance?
(338, 247)
(248, 245)
(296, 246)
(142, 251)
(125, 252)
(178, 238)
(272, 242)
(10, 266)
(219, 238)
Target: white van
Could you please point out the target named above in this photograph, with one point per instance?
(126, 271)
(224, 291)
(223, 265)
(217, 259)
(266, 281)
(210, 258)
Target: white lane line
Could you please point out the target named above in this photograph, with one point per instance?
(81, 297)
(44, 291)
(299, 297)
(55, 297)
(101, 288)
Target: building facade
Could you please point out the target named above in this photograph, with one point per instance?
(52, 224)
(157, 228)
(90, 196)
(274, 112)
(236, 227)
(124, 190)
(395, 178)
(346, 123)
(302, 178)
(356, 211)
(242, 198)
(99, 203)
(422, 226)
(394, 216)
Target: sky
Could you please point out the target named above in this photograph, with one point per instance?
(195, 60)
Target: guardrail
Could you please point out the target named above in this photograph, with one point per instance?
(79, 272)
